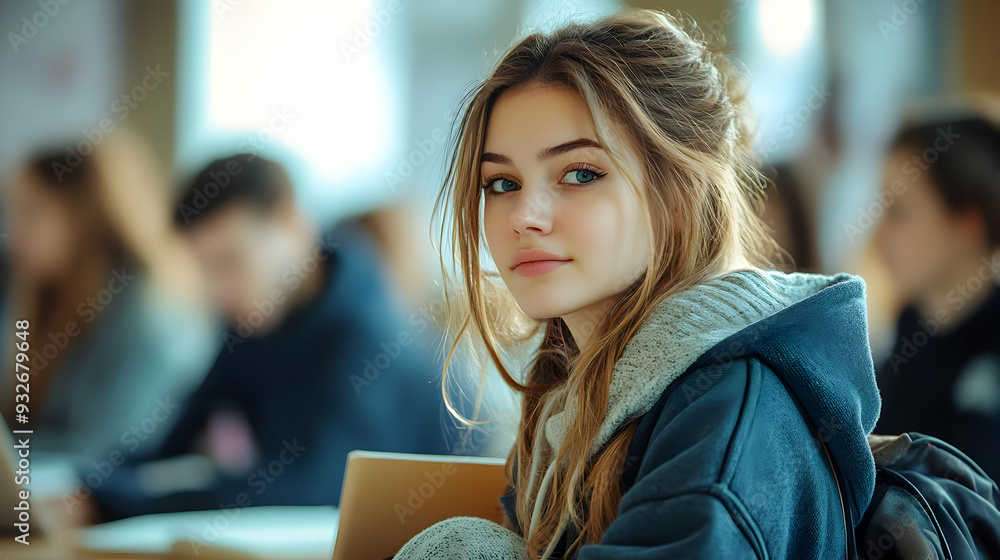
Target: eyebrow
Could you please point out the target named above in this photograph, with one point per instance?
(547, 153)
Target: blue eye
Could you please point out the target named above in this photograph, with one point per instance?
(498, 186)
(580, 176)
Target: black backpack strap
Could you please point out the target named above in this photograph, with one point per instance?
(850, 546)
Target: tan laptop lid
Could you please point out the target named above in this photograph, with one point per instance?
(390, 497)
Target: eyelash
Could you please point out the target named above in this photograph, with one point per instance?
(486, 184)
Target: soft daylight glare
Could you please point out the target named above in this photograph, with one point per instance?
(786, 25)
(330, 104)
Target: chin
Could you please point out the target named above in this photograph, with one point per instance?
(542, 304)
(538, 313)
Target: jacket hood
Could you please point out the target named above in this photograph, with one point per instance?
(810, 329)
(819, 347)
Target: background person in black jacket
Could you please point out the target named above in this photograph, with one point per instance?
(316, 362)
(940, 238)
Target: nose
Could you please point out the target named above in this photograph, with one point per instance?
(532, 212)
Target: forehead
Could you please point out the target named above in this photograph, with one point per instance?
(524, 121)
(232, 224)
(900, 168)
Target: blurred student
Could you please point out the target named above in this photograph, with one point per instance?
(109, 292)
(940, 238)
(316, 359)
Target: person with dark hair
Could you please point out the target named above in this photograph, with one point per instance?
(940, 238)
(316, 360)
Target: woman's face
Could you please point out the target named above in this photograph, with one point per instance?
(554, 200)
(40, 241)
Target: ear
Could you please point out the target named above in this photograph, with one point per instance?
(287, 212)
(971, 225)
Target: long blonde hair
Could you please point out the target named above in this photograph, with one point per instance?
(673, 115)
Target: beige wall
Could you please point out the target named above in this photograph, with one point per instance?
(150, 39)
(979, 45)
(700, 10)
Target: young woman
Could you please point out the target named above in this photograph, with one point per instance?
(686, 400)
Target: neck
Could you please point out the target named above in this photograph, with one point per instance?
(584, 321)
(312, 282)
(312, 285)
(301, 265)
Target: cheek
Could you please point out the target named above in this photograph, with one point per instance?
(231, 291)
(48, 241)
(919, 244)
(495, 229)
(591, 227)
(607, 234)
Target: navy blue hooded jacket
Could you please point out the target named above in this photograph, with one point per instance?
(730, 462)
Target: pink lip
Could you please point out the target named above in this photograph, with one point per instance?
(534, 268)
(532, 262)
